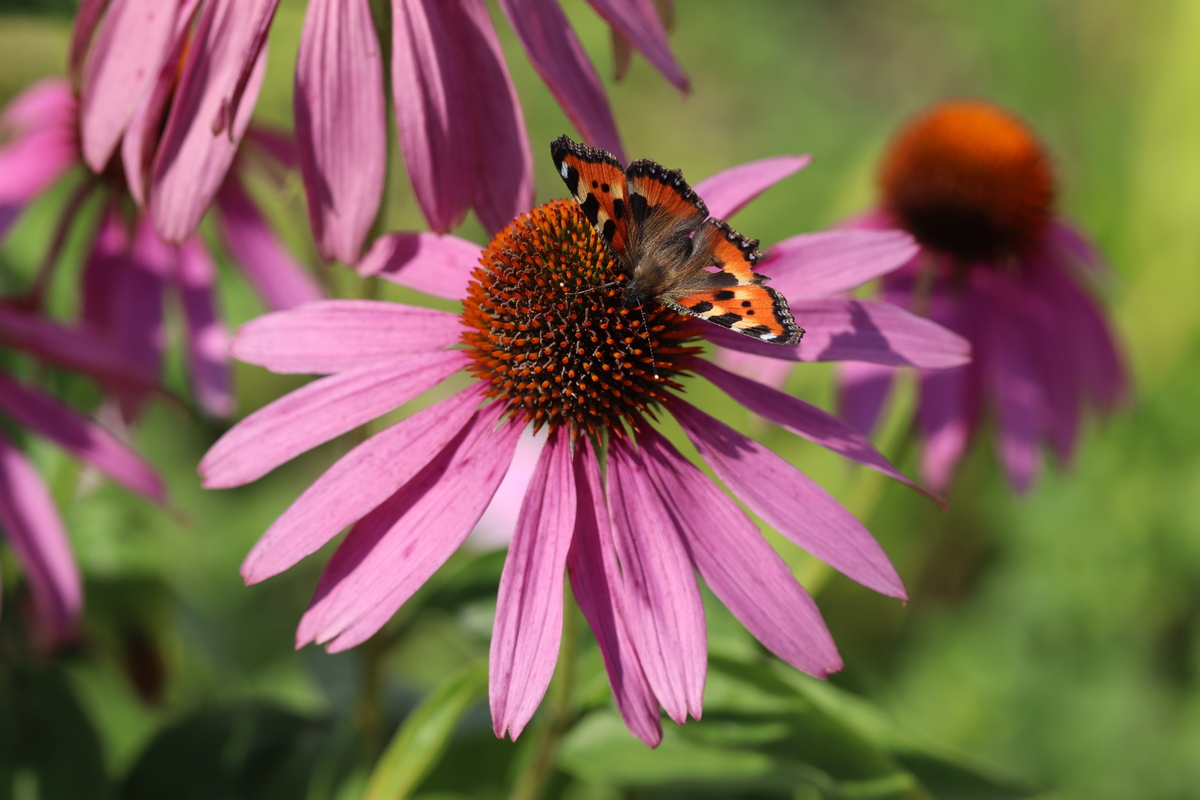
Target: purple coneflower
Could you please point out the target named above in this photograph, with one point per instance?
(611, 502)
(461, 130)
(130, 270)
(29, 519)
(997, 265)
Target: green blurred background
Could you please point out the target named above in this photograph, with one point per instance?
(1052, 640)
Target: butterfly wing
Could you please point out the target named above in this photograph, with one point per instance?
(733, 297)
(597, 181)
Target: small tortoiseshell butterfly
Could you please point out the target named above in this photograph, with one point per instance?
(658, 231)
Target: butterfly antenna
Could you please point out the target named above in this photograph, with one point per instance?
(649, 342)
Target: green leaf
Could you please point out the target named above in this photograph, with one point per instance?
(422, 739)
(48, 747)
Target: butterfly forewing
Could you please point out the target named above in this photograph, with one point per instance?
(597, 182)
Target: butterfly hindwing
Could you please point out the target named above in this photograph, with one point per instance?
(754, 310)
(597, 182)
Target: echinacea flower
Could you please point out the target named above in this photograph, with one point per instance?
(131, 272)
(998, 265)
(551, 348)
(29, 520)
(461, 130)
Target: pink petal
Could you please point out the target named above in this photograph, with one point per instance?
(728, 192)
(596, 583)
(89, 442)
(1065, 237)
(87, 19)
(803, 420)
(124, 60)
(862, 391)
(638, 22)
(437, 265)
(560, 59)
(1013, 383)
(738, 565)
(278, 279)
(945, 421)
(39, 144)
(770, 371)
(79, 349)
(392, 552)
(207, 120)
(340, 128)
(35, 532)
(529, 606)
(664, 613)
(815, 265)
(318, 412)
(358, 483)
(839, 329)
(206, 337)
(790, 502)
(336, 335)
(499, 522)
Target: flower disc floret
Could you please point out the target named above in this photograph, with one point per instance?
(547, 330)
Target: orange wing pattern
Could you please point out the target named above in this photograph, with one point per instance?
(597, 182)
(754, 310)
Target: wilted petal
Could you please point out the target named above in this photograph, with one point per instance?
(728, 192)
(35, 532)
(358, 483)
(335, 335)
(437, 265)
(639, 24)
(664, 613)
(596, 584)
(789, 501)
(802, 419)
(318, 412)
(280, 281)
(89, 442)
(529, 605)
(341, 133)
(207, 340)
(560, 59)
(738, 565)
(862, 391)
(392, 551)
(209, 114)
(839, 329)
(815, 265)
(124, 60)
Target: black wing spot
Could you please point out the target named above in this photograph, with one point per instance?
(595, 184)
(610, 230)
(603, 187)
(618, 208)
(703, 307)
(591, 208)
(725, 294)
(750, 313)
(726, 320)
(638, 208)
(746, 304)
(758, 331)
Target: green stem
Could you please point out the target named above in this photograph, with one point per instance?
(561, 718)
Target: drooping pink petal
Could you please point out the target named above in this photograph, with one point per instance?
(503, 163)
(35, 532)
(335, 335)
(89, 442)
(125, 58)
(1013, 384)
(318, 412)
(429, 86)
(357, 483)
(945, 422)
(265, 261)
(664, 613)
(790, 502)
(207, 118)
(341, 133)
(596, 583)
(738, 565)
(529, 605)
(862, 391)
(803, 420)
(840, 329)
(1065, 237)
(814, 265)
(730, 190)
(437, 265)
(391, 552)
(1047, 341)
(205, 335)
(81, 349)
(559, 57)
(38, 130)
(638, 22)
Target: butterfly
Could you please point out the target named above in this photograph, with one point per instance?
(657, 229)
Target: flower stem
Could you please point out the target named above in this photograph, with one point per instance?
(561, 718)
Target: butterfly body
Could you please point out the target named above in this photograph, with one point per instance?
(658, 231)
